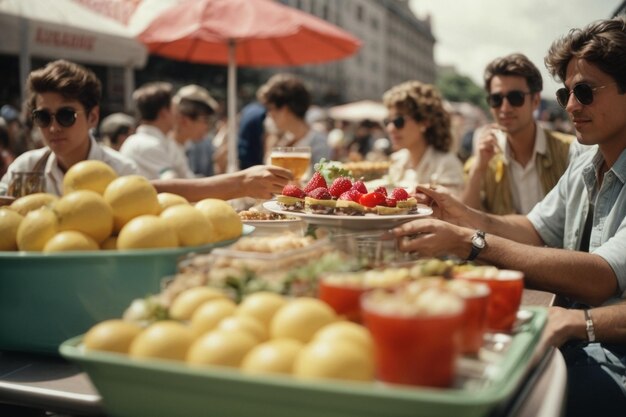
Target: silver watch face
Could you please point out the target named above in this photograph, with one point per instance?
(478, 241)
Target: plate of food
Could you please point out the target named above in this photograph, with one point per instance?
(265, 218)
(361, 222)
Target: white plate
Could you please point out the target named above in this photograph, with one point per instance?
(272, 223)
(368, 221)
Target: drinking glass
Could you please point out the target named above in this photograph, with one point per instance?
(27, 182)
(295, 159)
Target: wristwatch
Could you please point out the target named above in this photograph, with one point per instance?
(478, 244)
(591, 331)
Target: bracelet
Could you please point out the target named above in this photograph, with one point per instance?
(591, 333)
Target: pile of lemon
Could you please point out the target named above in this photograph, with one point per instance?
(99, 210)
(265, 334)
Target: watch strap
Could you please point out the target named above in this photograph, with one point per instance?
(476, 249)
(591, 331)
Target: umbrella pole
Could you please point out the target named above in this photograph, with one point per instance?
(233, 158)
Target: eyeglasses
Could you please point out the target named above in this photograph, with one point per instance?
(583, 93)
(398, 122)
(65, 116)
(515, 98)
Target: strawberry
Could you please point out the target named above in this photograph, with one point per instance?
(316, 181)
(340, 186)
(372, 199)
(360, 187)
(320, 193)
(390, 202)
(381, 190)
(291, 190)
(399, 194)
(351, 195)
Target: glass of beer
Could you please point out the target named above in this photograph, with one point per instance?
(295, 159)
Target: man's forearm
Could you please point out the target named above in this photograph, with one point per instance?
(471, 192)
(581, 276)
(223, 186)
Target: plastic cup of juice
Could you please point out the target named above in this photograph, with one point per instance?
(416, 336)
(476, 296)
(506, 295)
(342, 291)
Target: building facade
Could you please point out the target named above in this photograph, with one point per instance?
(397, 46)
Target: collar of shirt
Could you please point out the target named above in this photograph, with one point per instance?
(541, 147)
(54, 173)
(152, 131)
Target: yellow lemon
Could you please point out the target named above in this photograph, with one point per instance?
(145, 232)
(210, 314)
(186, 303)
(110, 243)
(88, 175)
(246, 324)
(301, 318)
(111, 336)
(334, 359)
(273, 357)
(192, 228)
(9, 223)
(347, 331)
(85, 211)
(70, 240)
(167, 200)
(225, 219)
(221, 348)
(162, 339)
(129, 197)
(32, 202)
(261, 306)
(36, 229)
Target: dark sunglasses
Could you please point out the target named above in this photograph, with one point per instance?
(583, 93)
(398, 122)
(65, 116)
(515, 98)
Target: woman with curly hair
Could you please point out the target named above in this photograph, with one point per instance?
(419, 130)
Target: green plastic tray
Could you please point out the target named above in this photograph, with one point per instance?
(48, 298)
(131, 388)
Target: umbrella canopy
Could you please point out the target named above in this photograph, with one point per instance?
(358, 111)
(244, 32)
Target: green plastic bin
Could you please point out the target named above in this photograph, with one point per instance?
(131, 388)
(48, 298)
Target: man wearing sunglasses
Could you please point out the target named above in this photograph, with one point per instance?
(516, 162)
(64, 103)
(573, 242)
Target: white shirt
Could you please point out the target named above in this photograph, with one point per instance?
(527, 189)
(53, 174)
(443, 168)
(156, 155)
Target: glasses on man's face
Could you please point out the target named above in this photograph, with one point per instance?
(515, 98)
(65, 116)
(583, 93)
(398, 122)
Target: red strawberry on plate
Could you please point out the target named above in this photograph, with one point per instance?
(372, 199)
(293, 191)
(399, 194)
(360, 187)
(390, 202)
(339, 186)
(316, 181)
(381, 190)
(320, 193)
(351, 195)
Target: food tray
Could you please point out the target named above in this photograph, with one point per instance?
(131, 388)
(47, 298)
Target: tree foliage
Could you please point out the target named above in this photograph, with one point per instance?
(461, 88)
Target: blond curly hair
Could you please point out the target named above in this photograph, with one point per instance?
(423, 103)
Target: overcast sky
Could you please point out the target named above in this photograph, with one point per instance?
(470, 33)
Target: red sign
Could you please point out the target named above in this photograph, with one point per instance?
(62, 39)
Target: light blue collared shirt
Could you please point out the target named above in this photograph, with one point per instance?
(560, 217)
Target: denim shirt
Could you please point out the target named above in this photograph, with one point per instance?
(560, 217)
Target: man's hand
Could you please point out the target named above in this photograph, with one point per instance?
(264, 181)
(488, 146)
(432, 238)
(445, 206)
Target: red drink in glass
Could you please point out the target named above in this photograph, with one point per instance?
(506, 295)
(412, 345)
(475, 319)
(342, 291)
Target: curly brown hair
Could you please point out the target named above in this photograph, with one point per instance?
(423, 103)
(602, 43)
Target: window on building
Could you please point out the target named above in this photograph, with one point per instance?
(325, 12)
(374, 23)
(360, 14)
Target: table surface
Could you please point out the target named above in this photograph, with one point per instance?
(48, 383)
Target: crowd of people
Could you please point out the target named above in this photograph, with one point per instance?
(529, 198)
